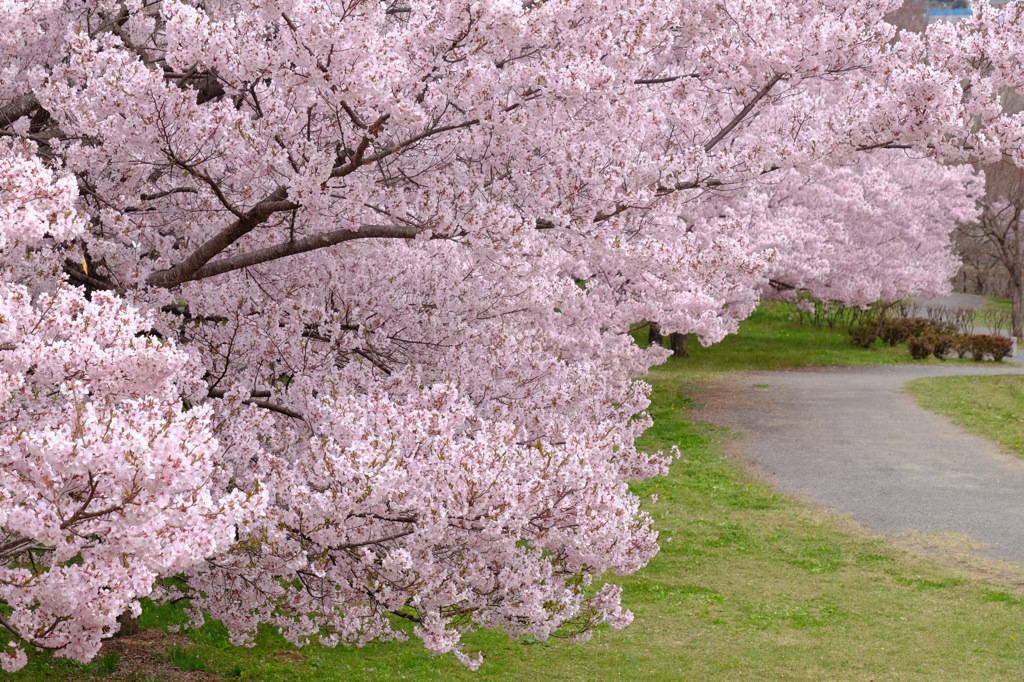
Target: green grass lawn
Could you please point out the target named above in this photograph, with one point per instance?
(991, 406)
(749, 585)
(995, 304)
(774, 338)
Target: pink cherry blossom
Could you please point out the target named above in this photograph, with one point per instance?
(323, 307)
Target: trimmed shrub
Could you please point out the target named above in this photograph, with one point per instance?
(942, 345)
(977, 349)
(1002, 348)
(998, 347)
(863, 335)
(981, 346)
(921, 347)
(962, 345)
(896, 331)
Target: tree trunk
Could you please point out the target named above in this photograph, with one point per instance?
(678, 342)
(129, 625)
(654, 335)
(1016, 272)
(1017, 299)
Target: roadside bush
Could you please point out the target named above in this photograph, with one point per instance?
(921, 347)
(1003, 348)
(962, 345)
(942, 345)
(978, 346)
(927, 337)
(998, 347)
(896, 331)
(863, 335)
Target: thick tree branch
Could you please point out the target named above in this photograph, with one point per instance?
(74, 272)
(738, 118)
(265, 404)
(781, 286)
(15, 109)
(664, 79)
(168, 192)
(285, 249)
(276, 202)
(883, 145)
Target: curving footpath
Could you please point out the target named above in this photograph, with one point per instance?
(850, 440)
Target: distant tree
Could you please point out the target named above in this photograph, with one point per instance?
(996, 238)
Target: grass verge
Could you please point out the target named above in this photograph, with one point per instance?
(990, 406)
(994, 304)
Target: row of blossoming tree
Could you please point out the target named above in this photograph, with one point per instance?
(316, 312)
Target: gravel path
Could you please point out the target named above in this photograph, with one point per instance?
(850, 440)
(953, 301)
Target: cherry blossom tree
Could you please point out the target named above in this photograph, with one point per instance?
(106, 482)
(322, 308)
(878, 229)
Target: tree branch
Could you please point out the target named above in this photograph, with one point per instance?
(738, 118)
(168, 192)
(388, 151)
(75, 273)
(276, 202)
(15, 109)
(664, 79)
(265, 404)
(285, 249)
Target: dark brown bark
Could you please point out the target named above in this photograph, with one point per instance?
(276, 202)
(129, 625)
(1017, 300)
(654, 335)
(678, 343)
(16, 108)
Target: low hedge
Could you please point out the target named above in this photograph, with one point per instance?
(863, 335)
(921, 347)
(900, 330)
(998, 347)
(897, 331)
(978, 346)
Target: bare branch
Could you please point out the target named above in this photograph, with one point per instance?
(168, 192)
(407, 616)
(211, 183)
(883, 145)
(379, 364)
(74, 272)
(430, 132)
